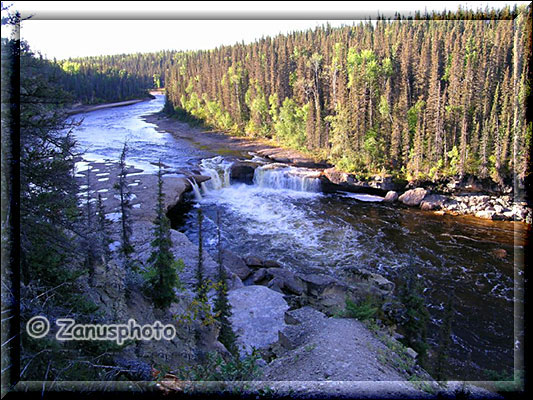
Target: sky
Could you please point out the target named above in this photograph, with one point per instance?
(73, 29)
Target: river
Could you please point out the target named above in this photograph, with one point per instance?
(308, 231)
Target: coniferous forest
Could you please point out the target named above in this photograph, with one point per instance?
(426, 98)
(422, 99)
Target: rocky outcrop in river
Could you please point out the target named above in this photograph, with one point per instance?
(479, 205)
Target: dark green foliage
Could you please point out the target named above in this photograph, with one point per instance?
(47, 188)
(125, 207)
(222, 307)
(90, 83)
(144, 69)
(216, 369)
(443, 348)
(416, 320)
(363, 310)
(163, 274)
(52, 253)
(103, 227)
(201, 286)
(94, 253)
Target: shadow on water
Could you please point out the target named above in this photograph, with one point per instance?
(310, 233)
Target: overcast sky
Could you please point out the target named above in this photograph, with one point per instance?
(55, 33)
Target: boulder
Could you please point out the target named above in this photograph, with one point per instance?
(411, 353)
(432, 202)
(280, 280)
(233, 281)
(258, 314)
(235, 264)
(391, 196)
(413, 197)
(326, 293)
(253, 262)
(260, 277)
(357, 276)
(317, 283)
(486, 214)
(335, 176)
(271, 264)
(287, 281)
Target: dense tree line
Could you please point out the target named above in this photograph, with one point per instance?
(102, 79)
(54, 230)
(151, 69)
(92, 83)
(423, 98)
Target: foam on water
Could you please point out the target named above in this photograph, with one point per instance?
(280, 176)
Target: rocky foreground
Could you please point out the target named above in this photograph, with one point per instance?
(288, 317)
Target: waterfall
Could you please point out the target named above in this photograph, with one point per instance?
(279, 176)
(195, 189)
(275, 176)
(219, 170)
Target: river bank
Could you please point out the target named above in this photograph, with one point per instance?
(308, 233)
(85, 108)
(295, 341)
(453, 197)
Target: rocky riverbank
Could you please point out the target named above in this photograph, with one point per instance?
(468, 196)
(84, 108)
(497, 208)
(455, 197)
(288, 317)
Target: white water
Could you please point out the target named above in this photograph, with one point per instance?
(269, 176)
(279, 176)
(195, 189)
(218, 170)
(282, 217)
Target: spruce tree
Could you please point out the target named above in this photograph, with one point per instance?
(416, 315)
(222, 306)
(90, 242)
(163, 277)
(443, 348)
(103, 225)
(125, 206)
(200, 282)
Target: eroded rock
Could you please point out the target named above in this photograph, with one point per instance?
(413, 197)
(432, 202)
(235, 264)
(258, 316)
(254, 262)
(391, 196)
(243, 171)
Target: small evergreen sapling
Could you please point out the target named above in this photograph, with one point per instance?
(222, 306)
(103, 230)
(163, 274)
(201, 287)
(125, 206)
